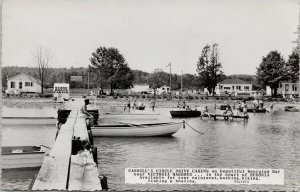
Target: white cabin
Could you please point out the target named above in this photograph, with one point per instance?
(141, 88)
(288, 89)
(161, 90)
(233, 87)
(23, 83)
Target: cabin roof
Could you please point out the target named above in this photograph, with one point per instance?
(31, 78)
(233, 81)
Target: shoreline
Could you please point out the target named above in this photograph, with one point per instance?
(120, 102)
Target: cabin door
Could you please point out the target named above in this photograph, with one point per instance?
(20, 85)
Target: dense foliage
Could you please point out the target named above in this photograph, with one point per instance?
(272, 70)
(111, 68)
(208, 68)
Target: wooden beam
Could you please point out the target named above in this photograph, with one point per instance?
(83, 170)
(54, 172)
(84, 174)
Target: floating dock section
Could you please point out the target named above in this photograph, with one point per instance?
(69, 166)
(225, 117)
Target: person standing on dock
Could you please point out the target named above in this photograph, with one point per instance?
(127, 105)
(153, 104)
(245, 109)
(183, 104)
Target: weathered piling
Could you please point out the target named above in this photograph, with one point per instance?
(70, 166)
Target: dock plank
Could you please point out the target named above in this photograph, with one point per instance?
(83, 174)
(63, 171)
(80, 129)
(83, 170)
(54, 171)
(52, 175)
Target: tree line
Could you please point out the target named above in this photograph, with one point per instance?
(109, 69)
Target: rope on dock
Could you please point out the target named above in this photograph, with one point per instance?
(192, 127)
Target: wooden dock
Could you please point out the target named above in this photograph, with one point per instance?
(225, 117)
(67, 167)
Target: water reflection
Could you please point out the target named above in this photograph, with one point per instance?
(270, 140)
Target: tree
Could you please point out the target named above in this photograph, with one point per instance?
(208, 68)
(271, 71)
(111, 68)
(293, 67)
(157, 79)
(42, 60)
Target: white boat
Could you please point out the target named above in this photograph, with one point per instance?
(129, 116)
(22, 156)
(136, 129)
(29, 120)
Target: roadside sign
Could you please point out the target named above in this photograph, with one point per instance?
(76, 78)
(61, 91)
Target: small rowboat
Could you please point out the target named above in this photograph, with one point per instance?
(29, 120)
(140, 107)
(251, 110)
(291, 109)
(223, 107)
(22, 156)
(185, 113)
(146, 129)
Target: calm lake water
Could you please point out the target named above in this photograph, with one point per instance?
(270, 140)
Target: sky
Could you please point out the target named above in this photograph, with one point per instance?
(150, 34)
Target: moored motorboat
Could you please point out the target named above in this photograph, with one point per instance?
(223, 107)
(29, 120)
(251, 110)
(140, 107)
(291, 109)
(185, 113)
(22, 157)
(136, 129)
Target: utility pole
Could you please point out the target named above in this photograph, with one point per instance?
(169, 65)
(213, 64)
(181, 82)
(88, 83)
(298, 50)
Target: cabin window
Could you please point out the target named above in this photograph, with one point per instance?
(295, 89)
(226, 88)
(12, 84)
(28, 84)
(168, 89)
(20, 85)
(232, 87)
(246, 88)
(163, 88)
(286, 87)
(238, 87)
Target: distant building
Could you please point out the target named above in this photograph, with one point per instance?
(269, 91)
(161, 90)
(141, 88)
(23, 83)
(233, 87)
(288, 89)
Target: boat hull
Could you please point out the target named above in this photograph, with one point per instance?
(185, 113)
(291, 109)
(130, 116)
(256, 110)
(146, 130)
(21, 159)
